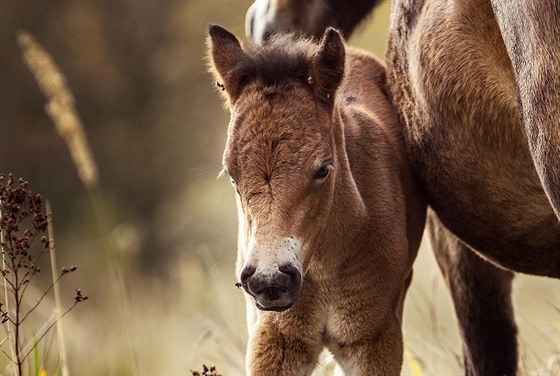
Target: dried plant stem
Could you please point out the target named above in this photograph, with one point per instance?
(58, 305)
(7, 303)
(16, 322)
(28, 348)
(48, 289)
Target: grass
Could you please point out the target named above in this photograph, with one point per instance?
(137, 324)
(201, 321)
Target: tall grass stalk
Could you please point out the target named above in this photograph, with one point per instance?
(36, 368)
(60, 108)
(58, 305)
(114, 261)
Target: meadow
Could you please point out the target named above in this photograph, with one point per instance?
(154, 237)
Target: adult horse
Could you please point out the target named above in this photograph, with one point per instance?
(476, 84)
(330, 218)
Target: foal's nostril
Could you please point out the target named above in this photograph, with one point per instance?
(247, 272)
(293, 273)
(257, 285)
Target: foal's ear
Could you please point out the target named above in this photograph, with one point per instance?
(327, 65)
(225, 53)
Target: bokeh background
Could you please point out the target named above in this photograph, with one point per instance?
(157, 130)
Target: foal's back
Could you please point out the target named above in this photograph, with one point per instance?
(373, 133)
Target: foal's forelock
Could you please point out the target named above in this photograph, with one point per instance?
(275, 63)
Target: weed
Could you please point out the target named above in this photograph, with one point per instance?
(206, 371)
(23, 221)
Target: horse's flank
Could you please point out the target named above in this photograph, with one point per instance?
(465, 138)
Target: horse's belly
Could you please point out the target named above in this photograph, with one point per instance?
(453, 85)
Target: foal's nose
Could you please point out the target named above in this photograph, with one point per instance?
(271, 286)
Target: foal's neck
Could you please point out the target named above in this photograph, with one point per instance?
(348, 211)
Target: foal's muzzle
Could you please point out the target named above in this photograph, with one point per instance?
(276, 291)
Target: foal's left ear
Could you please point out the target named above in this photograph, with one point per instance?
(225, 53)
(327, 65)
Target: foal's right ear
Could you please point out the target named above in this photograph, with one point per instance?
(327, 65)
(225, 53)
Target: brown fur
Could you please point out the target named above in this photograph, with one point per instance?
(476, 84)
(359, 228)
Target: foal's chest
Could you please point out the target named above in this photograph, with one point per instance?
(347, 319)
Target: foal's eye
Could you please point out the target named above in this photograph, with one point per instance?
(322, 173)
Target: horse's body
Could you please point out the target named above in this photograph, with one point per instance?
(476, 84)
(330, 219)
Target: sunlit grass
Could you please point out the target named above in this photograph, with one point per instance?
(198, 317)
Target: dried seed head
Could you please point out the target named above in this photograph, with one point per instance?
(20, 207)
(60, 106)
(78, 297)
(66, 270)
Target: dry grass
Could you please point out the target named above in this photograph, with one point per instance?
(139, 325)
(60, 106)
(200, 320)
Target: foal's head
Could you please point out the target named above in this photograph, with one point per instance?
(280, 153)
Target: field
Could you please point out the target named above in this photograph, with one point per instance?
(154, 239)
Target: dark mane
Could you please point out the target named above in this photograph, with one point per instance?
(282, 59)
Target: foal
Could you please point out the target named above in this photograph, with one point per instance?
(330, 219)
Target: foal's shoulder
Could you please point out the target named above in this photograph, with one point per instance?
(362, 66)
(367, 102)
(365, 83)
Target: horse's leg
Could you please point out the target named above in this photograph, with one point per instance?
(531, 33)
(380, 355)
(273, 352)
(481, 293)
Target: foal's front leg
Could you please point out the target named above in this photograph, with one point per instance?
(277, 350)
(381, 354)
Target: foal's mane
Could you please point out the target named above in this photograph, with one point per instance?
(284, 58)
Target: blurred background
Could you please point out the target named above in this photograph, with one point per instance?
(157, 130)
